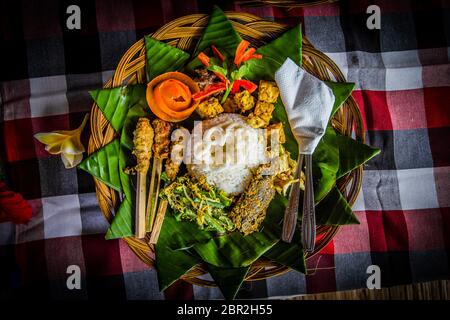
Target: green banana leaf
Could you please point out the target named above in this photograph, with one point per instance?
(325, 165)
(341, 91)
(229, 280)
(288, 254)
(335, 210)
(288, 45)
(115, 102)
(171, 264)
(103, 164)
(122, 224)
(236, 250)
(353, 154)
(218, 32)
(184, 234)
(161, 58)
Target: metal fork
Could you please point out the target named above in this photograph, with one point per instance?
(291, 212)
(309, 214)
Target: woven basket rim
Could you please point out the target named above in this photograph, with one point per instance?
(130, 69)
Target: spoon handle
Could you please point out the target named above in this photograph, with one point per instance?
(291, 212)
(309, 216)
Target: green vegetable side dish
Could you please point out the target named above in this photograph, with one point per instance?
(226, 254)
(199, 202)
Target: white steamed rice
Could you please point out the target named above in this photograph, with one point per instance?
(233, 173)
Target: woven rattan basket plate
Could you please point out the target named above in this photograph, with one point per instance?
(183, 33)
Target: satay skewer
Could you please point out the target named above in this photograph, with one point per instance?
(161, 151)
(143, 140)
(155, 180)
(172, 167)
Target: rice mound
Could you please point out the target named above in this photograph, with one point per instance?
(231, 175)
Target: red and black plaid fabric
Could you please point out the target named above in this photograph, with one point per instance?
(402, 73)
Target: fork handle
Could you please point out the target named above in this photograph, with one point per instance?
(309, 216)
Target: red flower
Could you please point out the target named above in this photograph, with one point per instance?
(13, 207)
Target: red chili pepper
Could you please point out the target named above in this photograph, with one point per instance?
(247, 85)
(240, 50)
(217, 53)
(204, 59)
(209, 90)
(221, 77)
(247, 54)
(256, 56)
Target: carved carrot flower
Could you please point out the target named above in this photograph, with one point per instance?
(65, 142)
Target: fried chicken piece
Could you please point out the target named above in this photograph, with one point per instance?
(250, 209)
(209, 108)
(143, 140)
(262, 114)
(162, 141)
(268, 91)
(244, 100)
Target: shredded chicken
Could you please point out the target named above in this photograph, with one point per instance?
(173, 165)
(162, 141)
(204, 78)
(282, 167)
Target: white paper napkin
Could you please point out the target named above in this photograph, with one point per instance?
(308, 102)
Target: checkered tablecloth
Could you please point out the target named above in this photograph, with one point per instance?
(402, 73)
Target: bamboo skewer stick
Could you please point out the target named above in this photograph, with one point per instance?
(158, 222)
(149, 199)
(152, 200)
(141, 193)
